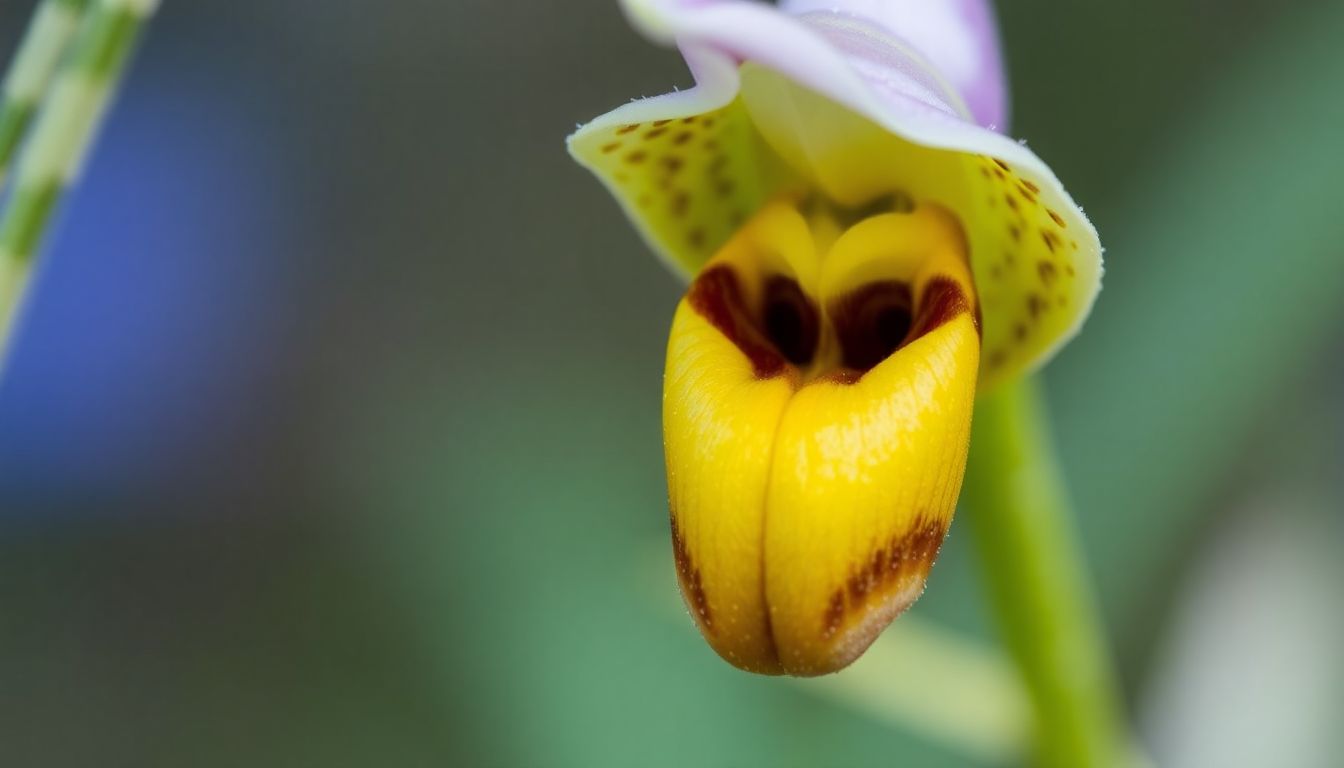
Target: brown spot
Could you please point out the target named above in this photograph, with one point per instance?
(900, 563)
(716, 296)
(660, 123)
(1020, 331)
(718, 163)
(1069, 270)
(624, 129)
(680, 203)
(607, 149)
(984, 171)
(682, 138)
(712, 145)
(672, 163)
(997, 358)
(689, 120)
(636, 157)
(1047, 270)
(696, 238)
(1002, 164)
(709, 122)
(688, 575)
(1015, 232)
(1036, 304)
(1010, 200)
(1055, 217)
(655, 133)
(1052, 240)
(1035, 189)
(724, 188)
(1027, 194)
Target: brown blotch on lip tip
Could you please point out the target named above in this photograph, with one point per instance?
(692, 586)
(902, 561)
(717, 297)
(624, 129)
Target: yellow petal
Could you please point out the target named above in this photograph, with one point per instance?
(810, 490)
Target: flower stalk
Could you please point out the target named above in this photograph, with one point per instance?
(1037, 584)
(71, 109)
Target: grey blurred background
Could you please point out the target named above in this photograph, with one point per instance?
(331, 436)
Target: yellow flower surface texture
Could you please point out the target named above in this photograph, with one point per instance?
(816, 410)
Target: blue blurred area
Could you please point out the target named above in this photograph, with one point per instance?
(152, 318)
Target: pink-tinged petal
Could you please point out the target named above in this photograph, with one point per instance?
(958, 37)
(836, 103)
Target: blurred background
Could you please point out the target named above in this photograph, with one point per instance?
(331, 435)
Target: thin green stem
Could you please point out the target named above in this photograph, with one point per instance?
(1037, 582)
(49, 33)
(66, 125)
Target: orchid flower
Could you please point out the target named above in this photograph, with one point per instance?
(867, 253)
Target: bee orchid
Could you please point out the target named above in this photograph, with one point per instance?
(866, 253)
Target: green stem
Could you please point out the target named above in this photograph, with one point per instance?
(1038, 585)
(49, 32)
(65, 127)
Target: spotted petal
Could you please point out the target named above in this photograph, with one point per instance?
(842, 104)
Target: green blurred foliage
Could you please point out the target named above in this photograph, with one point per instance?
(455, 551)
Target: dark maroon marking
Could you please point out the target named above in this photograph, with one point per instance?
(904, 560)
(716, 296)
(791, 321)
(692, 587)
(943, 300)
(878, 319)
(872, 322)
